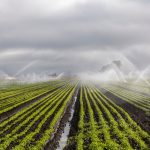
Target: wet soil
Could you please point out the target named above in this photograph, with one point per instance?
(53, 143)
(71, 145)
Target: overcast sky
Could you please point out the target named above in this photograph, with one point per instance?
(73, 35)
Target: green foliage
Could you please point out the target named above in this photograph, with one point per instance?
(102, 124)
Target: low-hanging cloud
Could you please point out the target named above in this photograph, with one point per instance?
(73, 35)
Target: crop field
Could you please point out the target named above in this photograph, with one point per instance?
(138, 96)
(74, 115)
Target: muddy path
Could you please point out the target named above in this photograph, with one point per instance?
(62, 129)
(71, 142)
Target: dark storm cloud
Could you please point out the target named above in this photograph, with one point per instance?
(53, 32)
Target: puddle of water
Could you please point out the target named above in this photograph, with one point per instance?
(64, 136)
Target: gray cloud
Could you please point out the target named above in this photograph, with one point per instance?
(73, 35)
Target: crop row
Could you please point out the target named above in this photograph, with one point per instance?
(139, 87)
(20, 89)
(104, 125)
(26, 97)
(32, 127)
(138, 100)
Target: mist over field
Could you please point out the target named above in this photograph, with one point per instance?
(39, 38)
(74, 74)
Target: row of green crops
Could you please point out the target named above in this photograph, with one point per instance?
(136, 99)
(104, 125)
(33, 126)
(27, 96)
(17, 89)
(139, 87)
(131, 91)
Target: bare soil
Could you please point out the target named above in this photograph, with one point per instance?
(71, 145)
(53, 143)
